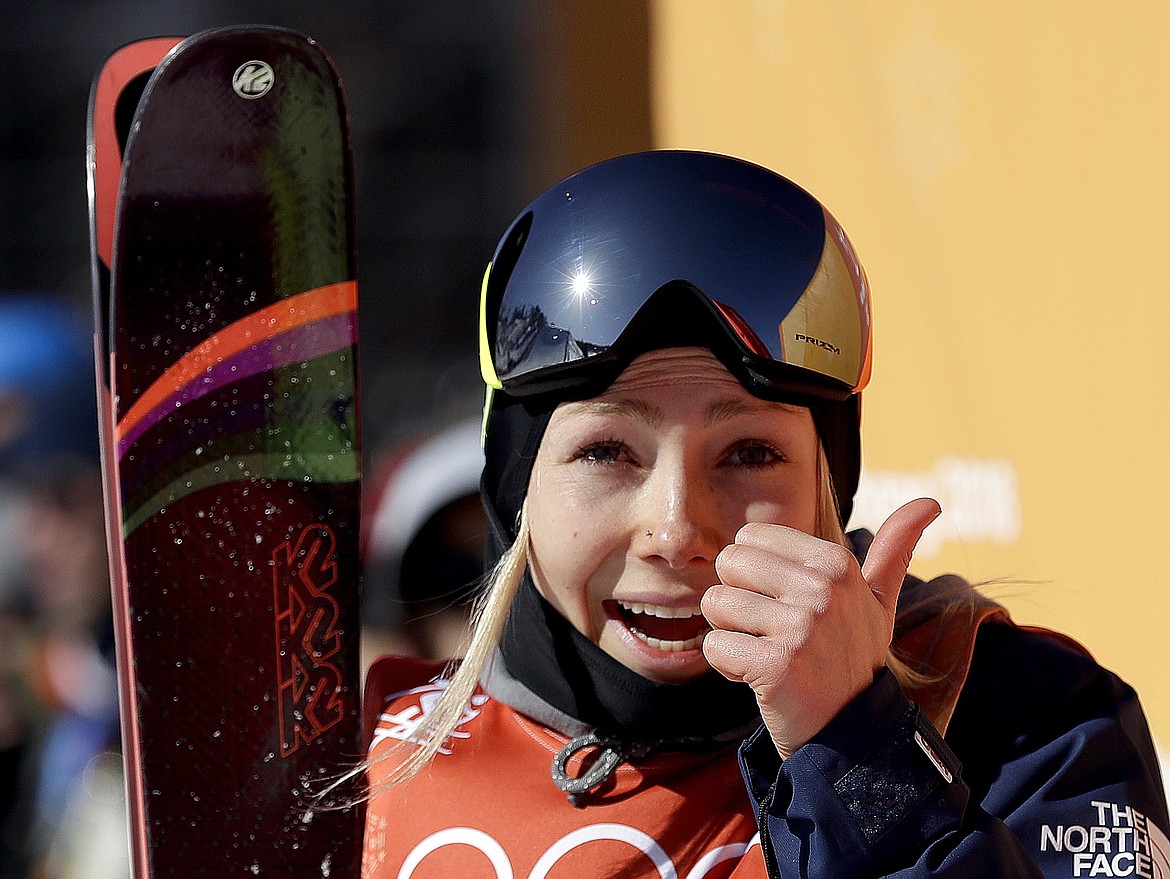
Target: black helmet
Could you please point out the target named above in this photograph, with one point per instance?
(681, 248)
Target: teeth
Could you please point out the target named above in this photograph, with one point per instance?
(665, 613)
(670, 646)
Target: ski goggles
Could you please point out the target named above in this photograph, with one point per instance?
(581, 278)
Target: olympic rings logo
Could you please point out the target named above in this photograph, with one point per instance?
(502, 865)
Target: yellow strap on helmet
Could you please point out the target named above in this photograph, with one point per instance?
(487, 368)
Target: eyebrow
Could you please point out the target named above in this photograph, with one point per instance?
(630, 407)
(730, 408)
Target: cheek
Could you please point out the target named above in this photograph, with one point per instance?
(570, 513)
(568, 546)
(798, 513)
(794, 502)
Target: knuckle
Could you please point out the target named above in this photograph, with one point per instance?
(750, 532)
(772, 665)
(739, 566)
(710, 646)
(804, 620)
(820, 608)
(725, 561)
(714, 599)
(835, 564)
(720, 653)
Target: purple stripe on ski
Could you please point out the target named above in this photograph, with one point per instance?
(303, 343)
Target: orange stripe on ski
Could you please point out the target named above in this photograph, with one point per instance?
(287, 314)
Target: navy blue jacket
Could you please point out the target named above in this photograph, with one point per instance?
(1047, 770)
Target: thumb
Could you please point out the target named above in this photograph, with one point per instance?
(893, 545)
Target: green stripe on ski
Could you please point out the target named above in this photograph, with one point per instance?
(332, 468)
(318, 440)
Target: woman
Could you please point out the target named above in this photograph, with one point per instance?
(679, 655)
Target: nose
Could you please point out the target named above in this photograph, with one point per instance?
(679, 515)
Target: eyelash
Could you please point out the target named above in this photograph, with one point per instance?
(610, 451)
(775, 455)
(589, 452)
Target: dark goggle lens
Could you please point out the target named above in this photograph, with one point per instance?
(573, 272)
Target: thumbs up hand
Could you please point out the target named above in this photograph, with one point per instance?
(797, 619)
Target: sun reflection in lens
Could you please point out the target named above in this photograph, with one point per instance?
(582, 285)
(580, 303)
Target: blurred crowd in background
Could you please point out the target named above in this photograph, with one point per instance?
(59, 735)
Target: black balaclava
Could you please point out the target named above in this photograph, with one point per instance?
(545, 653)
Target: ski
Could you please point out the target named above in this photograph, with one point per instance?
(113, 99)
(232, 450)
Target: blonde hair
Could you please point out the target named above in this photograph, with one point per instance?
(491, 612)
(487, 625)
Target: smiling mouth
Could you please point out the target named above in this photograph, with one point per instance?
(670, 629)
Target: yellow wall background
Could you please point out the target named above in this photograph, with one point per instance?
(1003, 169)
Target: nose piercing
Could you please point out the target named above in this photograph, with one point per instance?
(649, 533)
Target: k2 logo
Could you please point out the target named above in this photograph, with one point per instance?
(309, 684)
(253, 79)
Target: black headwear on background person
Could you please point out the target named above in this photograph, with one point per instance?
(649, 192)
(407, 562)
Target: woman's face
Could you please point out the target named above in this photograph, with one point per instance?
(635, 492)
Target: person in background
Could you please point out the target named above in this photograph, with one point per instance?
(682, 665)
(423, 546)
(59, 727)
